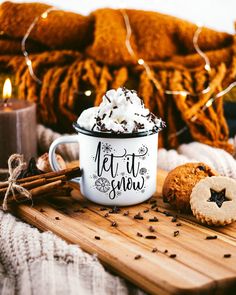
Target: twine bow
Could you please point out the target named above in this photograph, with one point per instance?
(15, 166)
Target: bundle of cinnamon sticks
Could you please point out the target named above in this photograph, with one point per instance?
(43, 185)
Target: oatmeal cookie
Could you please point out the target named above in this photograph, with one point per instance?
(179, 183)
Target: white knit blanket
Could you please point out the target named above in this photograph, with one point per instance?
(41, 263)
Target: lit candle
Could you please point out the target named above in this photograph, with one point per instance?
(17, 127)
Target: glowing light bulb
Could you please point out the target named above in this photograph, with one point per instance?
(140, 61)
(28, 62)
(194, 118)
(88, 92)
(183, 93)
(207, 67)
(44, 15)
(209, 102)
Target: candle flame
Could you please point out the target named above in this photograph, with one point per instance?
(7, 89)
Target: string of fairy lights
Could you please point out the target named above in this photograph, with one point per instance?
(28, 61)
(184, 93)
(140, 61)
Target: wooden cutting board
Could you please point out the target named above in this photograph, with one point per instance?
(198, 268)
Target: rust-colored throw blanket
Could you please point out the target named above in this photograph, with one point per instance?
(72, 53)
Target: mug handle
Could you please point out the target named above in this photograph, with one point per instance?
(52, 152)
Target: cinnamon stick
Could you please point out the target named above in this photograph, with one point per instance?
(36, 183)
(66, 174)
(36, 192)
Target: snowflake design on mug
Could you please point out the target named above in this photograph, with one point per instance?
(102, 185)
(142, 171)
(106, 147)
(142, 150)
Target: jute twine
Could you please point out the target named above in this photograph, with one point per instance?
(15, 166)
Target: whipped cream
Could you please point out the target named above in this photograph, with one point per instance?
(121, 111)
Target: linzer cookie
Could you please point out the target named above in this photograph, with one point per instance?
(213, 200)
(179, 183)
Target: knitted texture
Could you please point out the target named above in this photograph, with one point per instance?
(46, 136)
(41, 263)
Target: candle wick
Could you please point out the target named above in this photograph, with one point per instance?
(6, 102)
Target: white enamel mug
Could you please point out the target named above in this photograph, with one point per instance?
(117, 169)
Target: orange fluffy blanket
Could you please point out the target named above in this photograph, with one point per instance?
(72, 53)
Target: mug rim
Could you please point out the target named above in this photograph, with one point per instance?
(111, 135)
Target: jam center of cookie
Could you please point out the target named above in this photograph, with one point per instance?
(218, 197)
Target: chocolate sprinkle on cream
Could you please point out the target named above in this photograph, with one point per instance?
(123, 122)
(108, 98)
(126, 213)
(139, 234)
(93, 126)
(154, 250)
(146, 211)
(130, 116)
(137, 257)
(97, 238)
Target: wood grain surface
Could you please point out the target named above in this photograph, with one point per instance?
(182, 262)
